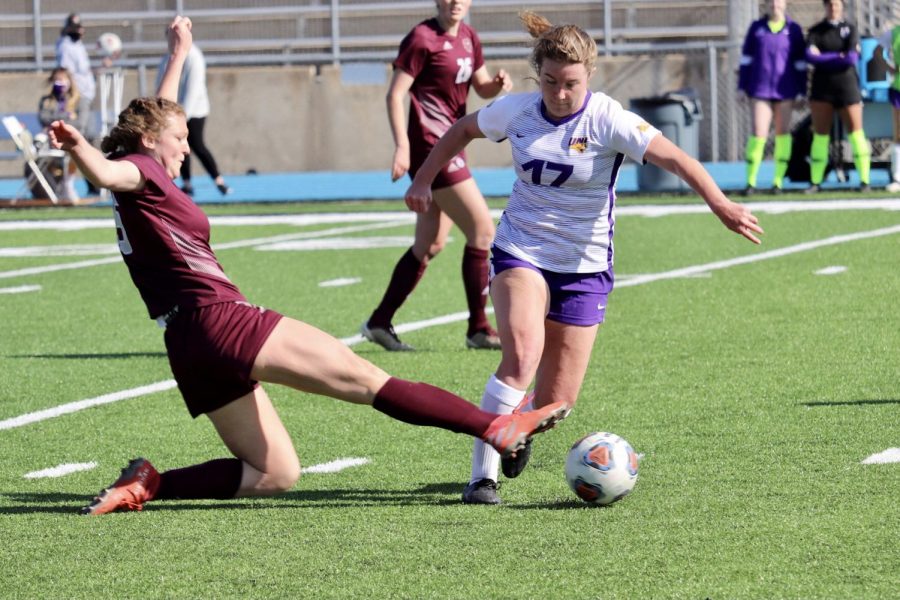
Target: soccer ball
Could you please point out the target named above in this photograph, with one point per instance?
(109, 45)
(601, 468)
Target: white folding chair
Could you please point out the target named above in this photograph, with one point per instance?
(23, 140)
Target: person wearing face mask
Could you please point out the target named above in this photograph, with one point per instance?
(72, 55)
(832, 49)
(552, 256)
(772, 75)
(61, 104)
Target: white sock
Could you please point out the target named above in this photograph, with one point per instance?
(501, 399)
(895, 163)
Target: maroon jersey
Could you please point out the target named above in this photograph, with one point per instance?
(164, 239)
(442, 66)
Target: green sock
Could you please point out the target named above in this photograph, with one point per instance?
(862, 156)
(754, 155)
(783, 144)
(818, 158)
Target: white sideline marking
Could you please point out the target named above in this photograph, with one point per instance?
(891, 455)
(752, 258)
(60, 470)
(340, 282)
(21, 289)
(225, 246)
(775, 207)
(60, 250)
(339, 243)
(452, 318)
(71, 407)
(835, 270)
(336, 465)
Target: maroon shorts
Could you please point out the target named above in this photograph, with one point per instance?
(212, 349)
(452, 173)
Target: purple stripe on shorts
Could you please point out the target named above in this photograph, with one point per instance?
(894, 97)
(611, 193)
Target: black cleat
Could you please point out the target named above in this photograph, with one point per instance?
(512, 466)
(483, 491)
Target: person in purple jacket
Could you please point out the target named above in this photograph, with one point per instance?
(772, 74)
(219, 345)
(833, 51)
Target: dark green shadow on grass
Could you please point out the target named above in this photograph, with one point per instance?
(850, 402)
(98, 356)
(433, 494)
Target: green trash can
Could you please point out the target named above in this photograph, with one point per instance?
(676, 115)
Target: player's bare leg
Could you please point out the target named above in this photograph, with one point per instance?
(466, 207)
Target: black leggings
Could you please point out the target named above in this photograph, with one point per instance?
(198, 148)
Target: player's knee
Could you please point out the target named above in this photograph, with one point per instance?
(284, 476)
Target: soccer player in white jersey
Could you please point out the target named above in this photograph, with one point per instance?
(552, 258)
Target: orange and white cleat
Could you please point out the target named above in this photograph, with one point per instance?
(136, 485)
(510, 433)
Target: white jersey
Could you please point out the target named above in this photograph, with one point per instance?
(561, 212)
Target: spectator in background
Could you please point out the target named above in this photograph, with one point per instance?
(832, 48)
(71, 54)
(193, 97)
(772, 74)
(438, 62)
(890, 46)
(61, 104)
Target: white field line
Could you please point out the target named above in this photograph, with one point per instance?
(776, 207)
(752, 258)
(336, 465)
(63, 409)
(340, 282)
(891, 455)
(225, 246)
(353, 340)
(835, 270)
(21, 289)
(60, 470)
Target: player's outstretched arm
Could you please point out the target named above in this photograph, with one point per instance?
(180, 40)
(118, 176)
(736, 217)
(418, 196)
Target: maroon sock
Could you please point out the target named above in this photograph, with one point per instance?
(406, 276)
(218, 479)
(475, 280)
(423, 404)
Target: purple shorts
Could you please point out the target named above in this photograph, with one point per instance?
(212, 349)
(894, 98)
(575, 298)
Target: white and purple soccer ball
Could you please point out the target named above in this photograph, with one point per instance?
(109, 45)
(601, 468)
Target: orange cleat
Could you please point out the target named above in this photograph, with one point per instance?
(510, 433)
(137, 484)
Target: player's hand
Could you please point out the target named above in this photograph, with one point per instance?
(814, 50)
(739, 219)
(179, 35)
(63, 136)
(503, 80)
(418, 197)
(400, 166)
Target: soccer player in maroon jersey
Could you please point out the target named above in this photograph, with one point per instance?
(219, 345)
(439, 60)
